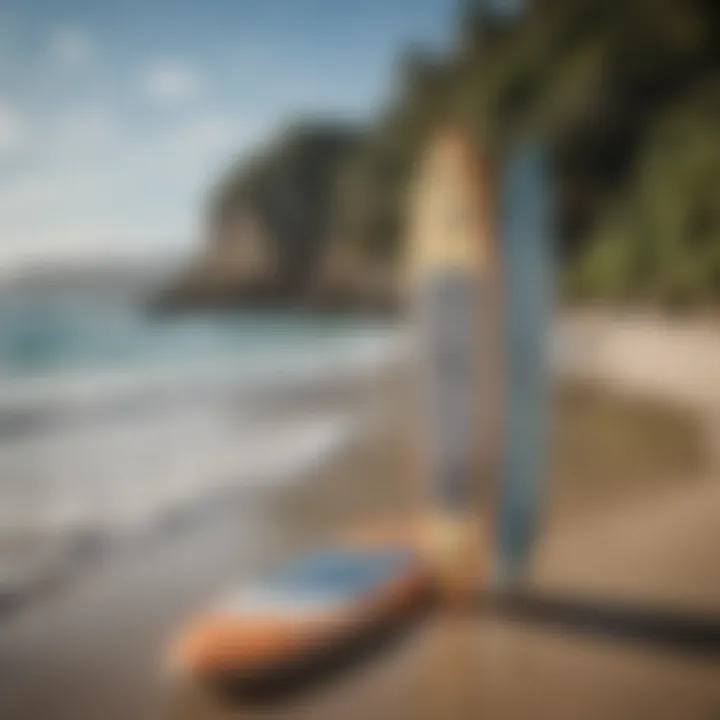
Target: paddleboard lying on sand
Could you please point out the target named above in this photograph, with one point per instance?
(302, 615)
(322, 603)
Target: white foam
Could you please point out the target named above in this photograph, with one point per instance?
(126, 474)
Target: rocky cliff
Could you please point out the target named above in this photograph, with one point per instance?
(273, 234)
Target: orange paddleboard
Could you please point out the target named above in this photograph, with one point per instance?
(303, 614)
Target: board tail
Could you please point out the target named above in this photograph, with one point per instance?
(527, 298)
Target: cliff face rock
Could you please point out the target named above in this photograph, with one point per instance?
(272, 232)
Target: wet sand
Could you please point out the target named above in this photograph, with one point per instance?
(631, 515)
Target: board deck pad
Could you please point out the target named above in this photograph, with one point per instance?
(448, 301)
(324, 581)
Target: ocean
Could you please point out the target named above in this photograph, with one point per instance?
(111, 420)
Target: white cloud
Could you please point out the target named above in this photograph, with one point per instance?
(169, 82)
(12, 128)
(72, 47)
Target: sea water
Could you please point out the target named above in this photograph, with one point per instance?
(111, 419)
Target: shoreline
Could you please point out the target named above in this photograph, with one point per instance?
(347, 495)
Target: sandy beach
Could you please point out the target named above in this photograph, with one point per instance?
(630, 514)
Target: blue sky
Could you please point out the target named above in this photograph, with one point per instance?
(115, 116)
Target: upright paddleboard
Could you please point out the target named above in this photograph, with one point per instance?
(453, 280)
(527, 305)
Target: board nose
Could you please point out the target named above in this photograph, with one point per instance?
(202, 648)
(189, 654)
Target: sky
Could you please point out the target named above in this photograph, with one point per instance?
(117, 115)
